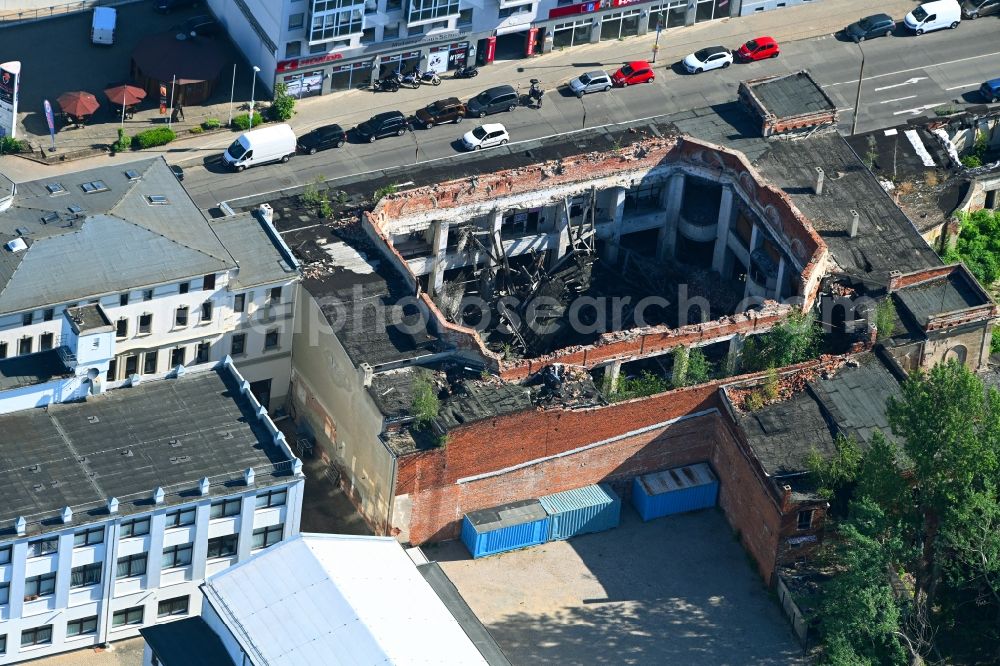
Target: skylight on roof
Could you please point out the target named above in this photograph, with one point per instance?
(157, 200)
(21, 231)
(55, 188)
(95, 186)
(50, 217)
(132, 174)
(75, 210)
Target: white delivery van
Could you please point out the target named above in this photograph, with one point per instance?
(934, 16)
(260, 146)
(102, 29)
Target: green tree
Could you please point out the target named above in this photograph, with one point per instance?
(791, 341)
(699, 367)
(836, 475)
(283, 106)
(424, 402)
(978, 245)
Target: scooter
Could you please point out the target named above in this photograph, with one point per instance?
(411, 80)
(430, 76)
(469, 72)
(535, 93)
(388, 84)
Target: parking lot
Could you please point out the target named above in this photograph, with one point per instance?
(678, 590)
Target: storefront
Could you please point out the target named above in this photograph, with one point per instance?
(620, 24)
(399, 62)
(666, 15)
(572, 33)
(351, 75)
(304, 84)
(712, 9)
(447, 57)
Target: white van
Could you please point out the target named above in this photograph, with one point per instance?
(935, 15)
(267, 144)
(102, 29)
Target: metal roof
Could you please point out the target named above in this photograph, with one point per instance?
(507, 515)
(337, 600)
(678, 478)
(260, 260)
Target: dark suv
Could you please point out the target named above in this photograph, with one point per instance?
(876, 25)
(494, 100)
(321, 138)
(383, 124)
(442, 111)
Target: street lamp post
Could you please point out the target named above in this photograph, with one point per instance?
(232, 92)
(253, 88)
(656, 44)
(857, 100)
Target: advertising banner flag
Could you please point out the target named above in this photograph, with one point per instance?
(52, 123)
(163, 99)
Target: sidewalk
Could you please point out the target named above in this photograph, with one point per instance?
(349, 108)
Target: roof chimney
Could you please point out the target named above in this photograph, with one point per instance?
(158, 495)
(248, 476)
(112, 505)
(818, 184)
(67, 515)
(21, 525)
(203, 486)
(367, 374)
(855, 220)
(267, 213)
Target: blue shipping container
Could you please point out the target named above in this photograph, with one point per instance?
(507, 527)
(580, 511)
(675, 491)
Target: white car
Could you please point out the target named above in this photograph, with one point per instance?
(713, 57)
(486, 136)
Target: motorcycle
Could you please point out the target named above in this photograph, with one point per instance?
(410, 80)
(469, 72)
(429, 76)
(535, 94)
(388, 84)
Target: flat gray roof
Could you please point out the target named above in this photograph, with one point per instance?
(792, 95)
(127, 442)
(947, 293)
(249, 241)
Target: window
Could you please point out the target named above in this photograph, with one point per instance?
(239, 302)
(27, 318)
(134, 528)
(177, 556)
(39, 586)
(3, 350)
(426, 10)
(275, 295)
(121, 328)
(296, 21)
(209, 282)
(123, 300)
(271, 339)
(82, 627)
(48, 314)
(185, 287)
(266, 536)
(24, 346)
(94, 186)
(88, 574)
(175, 606)
(5, 553)
(272, 498)
(206, 311)
(177, 356)
(147, 294)
(40, 547)
(112, 370)
(181, 316)
(202, 352)
(149, 362)
(131, 566)
(239, 344)
(37, 636)
(180, 518)
(4, 593)
(293, 49)
(390, 32)
(805, 519)
(45, 341)
(145, 323)
(131, 365)
(89, 537)
(317, 48)
(127, 616)
(229, 507)
(3, 644)
(223, 546)
(465, 17)
(368, 36)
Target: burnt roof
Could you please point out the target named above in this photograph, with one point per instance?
(947, 293)
(795, 94)
(856, 397)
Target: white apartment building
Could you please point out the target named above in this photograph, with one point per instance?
(114, 509)
(177, 288)
(322, 46)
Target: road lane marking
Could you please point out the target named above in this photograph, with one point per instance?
(919, 109)
(915, 79)
(898, 99)
(964, 85)
(914, 69)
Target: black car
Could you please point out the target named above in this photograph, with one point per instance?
(383, 124)
(205, 25)
(494, 100)
(321, 138)
(177, 171)
(876, 25)
(167, 6)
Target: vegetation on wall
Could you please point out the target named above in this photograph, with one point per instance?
(792, 341)
(978, 245)
(425, 404)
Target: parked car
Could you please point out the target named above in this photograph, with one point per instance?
(990, 90)
(177, 171)
(930, 16)
(486, 136)
(204, 25)
(712, 57)
(493, 100)
(758, 49)
(261, 146)
(973, 9)
(381, 125)
(596, 81)
(876, 25)
(167, 6)
(637, 71)
(449, 110)
(321, 138)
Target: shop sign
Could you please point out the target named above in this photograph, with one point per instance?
(413, 41)
(10, 83)
(306, 84)
(591, 7)
(296, 63)
(532, 38)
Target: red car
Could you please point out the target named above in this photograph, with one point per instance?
(758, 49)
(631, 73)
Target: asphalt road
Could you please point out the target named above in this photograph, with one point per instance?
(904, 76)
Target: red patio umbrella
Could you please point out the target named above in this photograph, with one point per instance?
(125, 95)
(78, 103)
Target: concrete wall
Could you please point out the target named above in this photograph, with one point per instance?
(330, 401)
